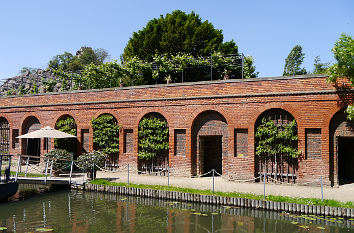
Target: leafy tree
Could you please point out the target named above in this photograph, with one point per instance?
(343, 51)
(67, 125)
(101, 55)
(319, 67)
(249, 70)
(175, 33)
(153, 137)
(294, 61)
(61, 61)
(85, 56)
(106, 134)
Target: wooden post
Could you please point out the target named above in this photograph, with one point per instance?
(71, 169)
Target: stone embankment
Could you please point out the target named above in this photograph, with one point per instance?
(227, 201)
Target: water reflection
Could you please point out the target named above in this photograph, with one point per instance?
(77, 211)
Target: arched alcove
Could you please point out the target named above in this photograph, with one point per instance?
(341, 149)
(67, 124)
(153, 141)
(269, 159)
(4, 136)
(31, 146)
(210, 142)
(106, 138)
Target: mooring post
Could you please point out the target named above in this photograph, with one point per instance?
(0, 166)
(321, 187)
(128, 174)
(46, 171)
(213, 179)
(83, 176)
(168, 176)
(71, 170)
(93, 171)
(18, 166)
(264, 178)
(27, 162)
(51, 169)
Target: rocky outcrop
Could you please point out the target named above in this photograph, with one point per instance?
(41, 81)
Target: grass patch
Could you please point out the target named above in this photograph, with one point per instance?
(22, 174)
(306, 201)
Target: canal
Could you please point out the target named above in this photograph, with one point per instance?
(77, 211)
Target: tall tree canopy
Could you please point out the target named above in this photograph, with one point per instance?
(343, 51)
(175, 33)
(294, 61)
(85, 56)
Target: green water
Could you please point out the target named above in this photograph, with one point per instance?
(76, 211)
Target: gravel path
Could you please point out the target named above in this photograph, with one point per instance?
(343, 193)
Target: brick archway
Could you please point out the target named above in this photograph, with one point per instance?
(341, 141)
(4, 135)
(210, 142)
(280, 167)
(31, 146)
(69, 144)
(160, 162)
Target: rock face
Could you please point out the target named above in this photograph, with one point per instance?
(41, 81)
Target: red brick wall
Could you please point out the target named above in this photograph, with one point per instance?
(311, 100)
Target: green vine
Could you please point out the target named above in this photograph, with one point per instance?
(106, 134)
(66, 125)
(275, 140)
(153, 137)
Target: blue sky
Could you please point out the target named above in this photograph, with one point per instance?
(32, 32)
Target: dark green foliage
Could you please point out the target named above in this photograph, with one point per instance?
(61, 158)
(276, 140)
(67, 125)
(106, 134)
(294, 61)
(153, 137)
(176, 32)
(179, 35)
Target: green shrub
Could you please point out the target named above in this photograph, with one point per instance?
(61, 158)
(88, 160)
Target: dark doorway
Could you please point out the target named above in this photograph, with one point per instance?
(211, 153)
(346, 160)
(33, 146)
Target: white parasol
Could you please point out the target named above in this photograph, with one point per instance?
(47, 132)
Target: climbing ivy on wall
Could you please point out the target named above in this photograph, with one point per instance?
(153, 137)
(276, 140)
(106, 134)
(66, 125)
